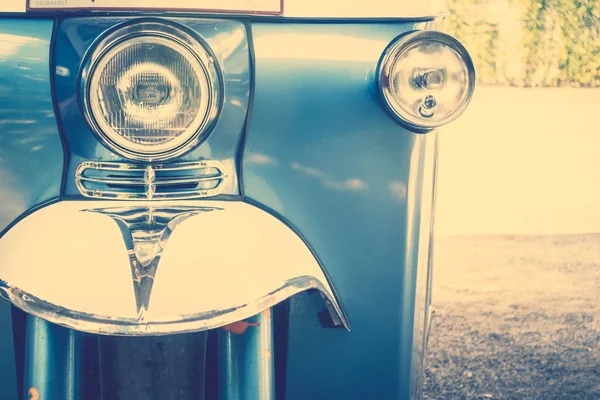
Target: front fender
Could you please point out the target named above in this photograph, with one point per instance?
(144, 268)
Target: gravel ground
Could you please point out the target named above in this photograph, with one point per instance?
(516, 317)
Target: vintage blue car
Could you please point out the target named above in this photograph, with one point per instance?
(220, 199)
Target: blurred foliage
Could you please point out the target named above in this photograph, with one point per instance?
(530, 42)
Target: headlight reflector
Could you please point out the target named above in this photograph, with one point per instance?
(151, 91)
(426, 79)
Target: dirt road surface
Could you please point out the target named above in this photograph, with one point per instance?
(517, 317)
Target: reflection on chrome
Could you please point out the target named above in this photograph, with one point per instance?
(141, 276)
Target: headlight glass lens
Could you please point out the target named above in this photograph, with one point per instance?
(427, 79)
(149, 96)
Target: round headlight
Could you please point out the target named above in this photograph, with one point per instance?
(426, 79)
(151, 91)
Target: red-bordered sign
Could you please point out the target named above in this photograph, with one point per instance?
(248, 7)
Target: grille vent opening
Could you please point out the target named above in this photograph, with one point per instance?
(152, 182)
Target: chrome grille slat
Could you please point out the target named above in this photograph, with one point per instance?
(155, 182)
(125, 181)
(115, 181)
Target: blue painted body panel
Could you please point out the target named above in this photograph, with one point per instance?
(31, 152)
(52, 361)
(228, 41)
(8, 373)
(322, 153)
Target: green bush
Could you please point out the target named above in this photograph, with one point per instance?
(530, 42)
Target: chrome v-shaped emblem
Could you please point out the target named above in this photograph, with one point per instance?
(146, 231)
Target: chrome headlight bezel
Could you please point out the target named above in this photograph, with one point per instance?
(192, 47)
(387, 63)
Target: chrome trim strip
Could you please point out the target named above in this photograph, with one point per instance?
(121, 181)
(422, 200)
(150, 181)
(74, 266)
(106, 325)
(112, 195)
(115, 166)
